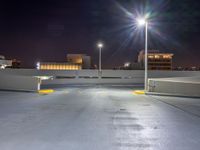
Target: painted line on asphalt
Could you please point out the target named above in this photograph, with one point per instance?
(45, 91)
(138, 92)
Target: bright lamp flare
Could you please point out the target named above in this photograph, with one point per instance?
(38, 65)
(141, 21)
(100, 45)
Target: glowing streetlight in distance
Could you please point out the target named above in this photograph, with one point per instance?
(38, 65)
(100, 45)
(127, 64)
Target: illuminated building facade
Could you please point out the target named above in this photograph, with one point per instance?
(75, 58)
(156, 60)
(58, 66)
(74, 62)
(81, 59)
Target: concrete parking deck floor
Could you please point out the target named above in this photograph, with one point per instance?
(98, 118)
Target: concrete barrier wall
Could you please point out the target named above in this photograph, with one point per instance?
(138, 73)
(19, 83)
(175, 86)
(169, 74)
(93, 81)
(91, 76)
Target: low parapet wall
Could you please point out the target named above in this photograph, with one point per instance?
(18, 83)
(95, 77)
(189, 86)
(105, 73)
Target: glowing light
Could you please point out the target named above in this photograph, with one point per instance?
(59, 66)
(3, 66)
(38, 65)
(150, 56)
(100, 45)
(44, 77)
(127, 64)
(141, 21)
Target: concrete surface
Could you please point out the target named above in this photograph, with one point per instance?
(179, 86)
(91, 76)
(194, 79)
(98, 118)
(18, 83)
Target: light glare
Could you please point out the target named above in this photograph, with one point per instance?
(127, 64)
(38, 65)
(100, 45)
(141, 21)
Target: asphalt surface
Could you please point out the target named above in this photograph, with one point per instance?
(98, 118)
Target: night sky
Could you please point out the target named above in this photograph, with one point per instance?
(46, 30)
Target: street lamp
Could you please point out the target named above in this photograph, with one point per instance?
(144, 22)
(100, 46)
(127, 64)
(38, 65)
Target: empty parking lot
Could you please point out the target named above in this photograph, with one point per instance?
(97, 117)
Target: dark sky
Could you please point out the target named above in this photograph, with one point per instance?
(46, 30)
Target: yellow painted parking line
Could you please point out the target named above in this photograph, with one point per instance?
(139, 92)
(45, 91)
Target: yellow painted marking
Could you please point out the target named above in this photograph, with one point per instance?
(45, 91)
(139, 92)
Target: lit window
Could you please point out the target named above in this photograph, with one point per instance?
(150, 56)
(166, 56)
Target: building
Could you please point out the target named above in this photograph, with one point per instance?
(4, 63)
(156, 60)
(16, 64)
(74, 62)
(81, 59)
(58, 66)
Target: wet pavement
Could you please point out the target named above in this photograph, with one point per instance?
(98, 118)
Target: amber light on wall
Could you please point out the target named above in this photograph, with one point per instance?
(167, 56)
(157, 56)
(60, 67)
(150, 56)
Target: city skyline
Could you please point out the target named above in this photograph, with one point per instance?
(47, 31)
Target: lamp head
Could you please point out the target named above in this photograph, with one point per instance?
(100, 45)
(38, 65)
(141, 21)
(127, 64)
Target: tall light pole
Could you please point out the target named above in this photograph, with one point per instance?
(100, 46)
(144, 22)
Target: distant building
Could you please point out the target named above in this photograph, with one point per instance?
(81, 59)
(4, 63)
(58, 66)
(130, 66)
(74, 62)
(16, 64)
(156, 60)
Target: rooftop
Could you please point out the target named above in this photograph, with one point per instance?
(97, 117)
